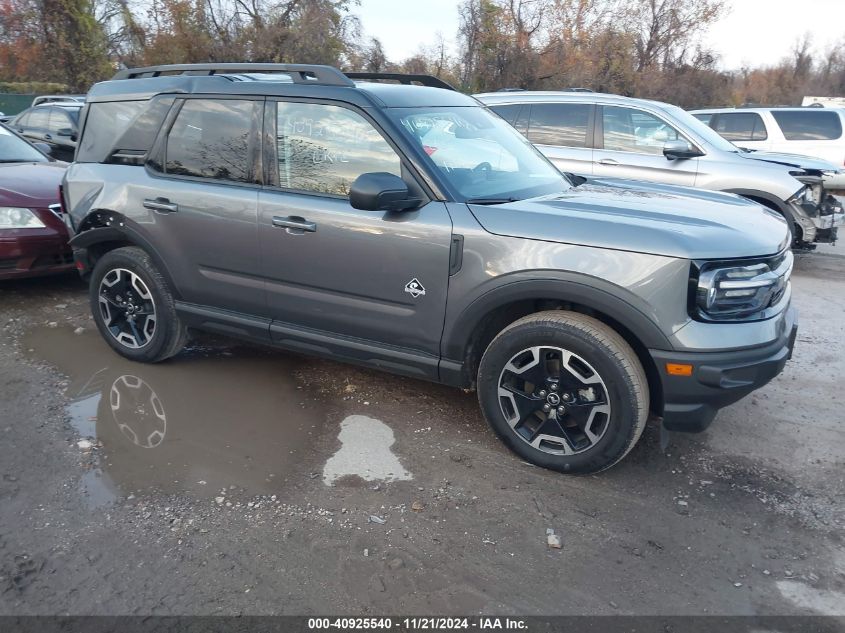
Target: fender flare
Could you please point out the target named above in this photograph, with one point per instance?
(457, 336)
(81, 242)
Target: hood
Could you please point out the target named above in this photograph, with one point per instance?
(807, 163)
(30, 184)
(643, 217)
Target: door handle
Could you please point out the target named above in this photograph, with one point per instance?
(294, 224)
(608, 161)
(48, 137)
(163, 205)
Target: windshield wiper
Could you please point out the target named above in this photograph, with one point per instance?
(489, 201)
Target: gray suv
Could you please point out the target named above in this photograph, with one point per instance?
(408, 228)
(608, 136)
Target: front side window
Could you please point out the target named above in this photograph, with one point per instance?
(324, 148)
(741, 126)
(561, 124)
(59, 121)
(808, 125)
(212, 138)
(630, 130)
(478, 153)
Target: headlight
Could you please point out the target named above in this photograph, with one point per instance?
(19, 218)
(725, 292)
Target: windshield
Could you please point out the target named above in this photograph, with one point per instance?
(14, 149)
(702, 129)
(480, 155)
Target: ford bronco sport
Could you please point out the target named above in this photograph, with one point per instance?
(409, 228)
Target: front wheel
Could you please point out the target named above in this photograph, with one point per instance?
(134, 308)
(564, 391)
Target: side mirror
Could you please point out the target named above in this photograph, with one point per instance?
(65, 131)
(43, 147)
(679, 149)
(381, 191)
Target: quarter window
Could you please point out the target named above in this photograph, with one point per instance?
(629, 130)
(105, 123)
(741, 126)
(808, 125)
(324, 148)
(508, 111)
(562, 124)
(212, 138)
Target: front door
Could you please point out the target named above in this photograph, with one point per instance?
(339, 279)
(630, 145)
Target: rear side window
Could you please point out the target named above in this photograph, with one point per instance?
(212, 138)
(563, 124)
(39, 117)
(104, 124)
(741, 126)
(808, 125)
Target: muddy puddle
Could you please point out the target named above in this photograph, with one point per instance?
(209, 419)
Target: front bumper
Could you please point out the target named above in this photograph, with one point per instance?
(34, 255)
(718, 379)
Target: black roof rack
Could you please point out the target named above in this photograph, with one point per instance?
(299, 73)
(402, 78)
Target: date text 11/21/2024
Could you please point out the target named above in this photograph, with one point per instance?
(418, 624)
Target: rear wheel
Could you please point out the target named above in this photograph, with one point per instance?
(134, 308)
(564, 391)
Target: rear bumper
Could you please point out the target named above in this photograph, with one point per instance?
(34, 255)
(718, 379)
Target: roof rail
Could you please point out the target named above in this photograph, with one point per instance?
(299, 73)
(402, 78)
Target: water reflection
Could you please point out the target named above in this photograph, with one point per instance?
(207, 420)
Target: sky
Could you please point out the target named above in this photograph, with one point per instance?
(754, 33)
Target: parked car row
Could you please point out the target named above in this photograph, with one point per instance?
(608, 136)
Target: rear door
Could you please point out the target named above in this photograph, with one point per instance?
(200, 195)
(629, 144)
(563, 132)
(338, 278)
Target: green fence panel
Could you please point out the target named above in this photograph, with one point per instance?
(14, 103)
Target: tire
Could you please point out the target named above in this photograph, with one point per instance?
(602, 392)
(133, 307)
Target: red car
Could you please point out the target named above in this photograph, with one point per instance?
(33, 236)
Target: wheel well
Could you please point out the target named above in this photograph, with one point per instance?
(96, 250)
(499, 318)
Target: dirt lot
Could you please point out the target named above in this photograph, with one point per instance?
(234, 481)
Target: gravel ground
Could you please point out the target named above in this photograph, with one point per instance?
(232, 480)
